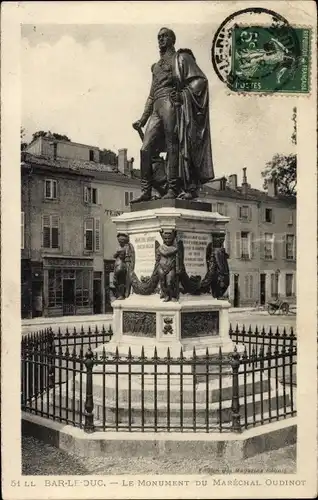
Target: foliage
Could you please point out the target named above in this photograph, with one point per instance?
(283, 169)
(54, 135)
(108, 157)
(22, 136)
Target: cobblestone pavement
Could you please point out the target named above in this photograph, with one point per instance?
(42, 459)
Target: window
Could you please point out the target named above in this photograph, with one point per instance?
(290, 246)
(82, 287)
(268, 215)
(244, 212)
(90, 195)
(22, 230)
(245, 250)
(274, 285)
(289, 284)
(269, 246)
(291, 219)
(91, 155)
(55, 287)
(248, 286)
(50, 225)
(92, 234)
(50, 189)
(220, 208)
(128, 197)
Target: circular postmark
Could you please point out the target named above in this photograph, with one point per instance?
(256, 50)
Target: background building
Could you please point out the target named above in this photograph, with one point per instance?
(69, 196)
(260, 239)
(68, 239)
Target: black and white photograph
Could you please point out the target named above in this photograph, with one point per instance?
(159, 257)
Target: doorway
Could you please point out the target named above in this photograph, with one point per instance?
(97, 296)
(68, 297)
(236, 300)
(262, 289)
(37, 299)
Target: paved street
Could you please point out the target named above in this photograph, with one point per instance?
(260, 319)
(253, 318)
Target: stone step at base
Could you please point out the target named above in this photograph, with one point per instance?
(137, 413)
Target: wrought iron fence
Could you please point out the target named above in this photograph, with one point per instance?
(72, 378)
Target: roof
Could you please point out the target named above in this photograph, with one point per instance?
(99, 171)
(250, 194)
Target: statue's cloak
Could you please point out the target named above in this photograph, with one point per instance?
(195, 160)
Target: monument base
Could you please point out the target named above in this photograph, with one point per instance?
(192, 322)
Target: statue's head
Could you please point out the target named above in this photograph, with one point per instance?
(168, 236)
(123, 239)
(166, 39)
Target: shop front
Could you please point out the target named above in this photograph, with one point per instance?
(68, 286)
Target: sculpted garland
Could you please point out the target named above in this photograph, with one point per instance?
(169, 273)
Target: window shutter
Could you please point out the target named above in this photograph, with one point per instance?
(55, 231)
(54, 187)
(214, 207)
(225, 210)
(238, 245)
(46, 231)
(97, 234)
(85, 194)
(273, 217)
(47, 189)
(284, 243)
(238, 212)
(262, 246)
(250, 213)
(89, 227)
(295, 248)
(252, 244)
(126, 198)
(274, 253)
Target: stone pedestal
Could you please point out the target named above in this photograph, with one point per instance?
(191, 321)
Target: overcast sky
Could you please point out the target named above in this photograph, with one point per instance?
(91, 82)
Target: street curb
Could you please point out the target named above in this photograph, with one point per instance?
(229, 446)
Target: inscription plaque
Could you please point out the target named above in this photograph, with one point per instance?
(139, 324)
(199, 324)
(144, 245)
(194, 252)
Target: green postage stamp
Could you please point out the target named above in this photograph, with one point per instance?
(273, 59)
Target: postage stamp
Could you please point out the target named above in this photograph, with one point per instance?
(270, 60)
(271, 56)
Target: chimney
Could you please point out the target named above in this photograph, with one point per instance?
(233, 181)
(122, 160)
(272, 187)
(130, 167)
(245, 185)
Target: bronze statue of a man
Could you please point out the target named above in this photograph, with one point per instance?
(177, 112)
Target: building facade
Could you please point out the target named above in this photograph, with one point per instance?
(260, 240)
(67, 237)
(69, 197)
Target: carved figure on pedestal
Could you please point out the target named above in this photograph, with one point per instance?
(124, 265)
(168, 266)
(218, 268)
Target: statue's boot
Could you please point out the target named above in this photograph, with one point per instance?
(172, 192)
(146, 177)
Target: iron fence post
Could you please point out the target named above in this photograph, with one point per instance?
(236, 417)
(51, 355)
(89, 402)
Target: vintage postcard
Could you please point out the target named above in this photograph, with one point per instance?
(159, 249)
